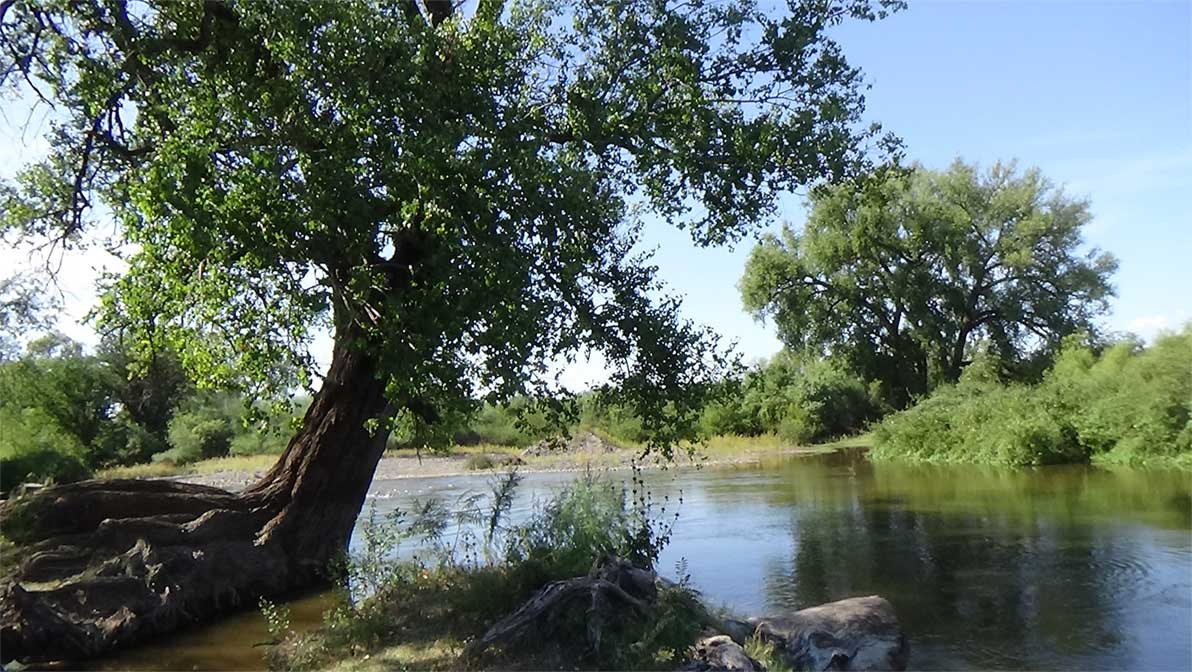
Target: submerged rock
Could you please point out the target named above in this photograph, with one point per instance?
(860, 633)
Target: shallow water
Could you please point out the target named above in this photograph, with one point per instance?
(1070, 568)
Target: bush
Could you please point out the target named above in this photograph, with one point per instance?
(1128, 404)
(198, 434)
(512, 424)
(258, 442)
(34, 448)
(801, 397)
(479, 461)
(591, 518)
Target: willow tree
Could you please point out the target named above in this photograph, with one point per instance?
(456, 193)
(907, 274)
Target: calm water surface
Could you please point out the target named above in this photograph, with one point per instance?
(1069, 568)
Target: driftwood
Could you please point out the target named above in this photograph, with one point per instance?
(615, 583)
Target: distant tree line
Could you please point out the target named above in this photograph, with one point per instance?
(954, 290)
(67, 413)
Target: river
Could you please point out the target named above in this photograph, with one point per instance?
(1058, 568)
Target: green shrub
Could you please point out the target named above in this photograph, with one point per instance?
(479, 461)
(801, 397)
(1127, 404)
(589, 519)
(198, 434)
(33, 448)
(728, 417)
(499, 425)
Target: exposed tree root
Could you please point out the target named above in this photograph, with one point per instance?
(105, 563)
(614, 583)
(122, 560)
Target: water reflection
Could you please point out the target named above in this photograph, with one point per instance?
(1057, 568)
(1068, 568)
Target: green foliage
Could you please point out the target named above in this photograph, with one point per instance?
(515, 423)
(277, 619)
(801, 397)
(661, 642)
(105, 403)
(618, 421)
(1127, 404)
(78, 393)
(34, 448)
(220, 424)
(764, 652)
(905, 273)
(457, 191)
(252, 442)
(198, 434)
(593, 518)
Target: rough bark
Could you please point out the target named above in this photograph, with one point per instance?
(106, 563)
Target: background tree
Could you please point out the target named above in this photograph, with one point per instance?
(457, 196)
(25, 307)
(152, 384)
(114, 408)
(905, 274)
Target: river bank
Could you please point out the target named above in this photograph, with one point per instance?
(237, 473)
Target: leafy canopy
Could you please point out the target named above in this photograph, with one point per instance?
(457, 193)
(906, 275)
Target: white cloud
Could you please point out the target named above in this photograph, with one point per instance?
(1148, 327)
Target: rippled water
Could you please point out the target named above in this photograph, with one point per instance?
(1068, 568)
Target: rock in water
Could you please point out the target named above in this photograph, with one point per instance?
(721, 654)
(860, 633)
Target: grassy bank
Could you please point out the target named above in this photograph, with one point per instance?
(1127, 405)
(238, 463)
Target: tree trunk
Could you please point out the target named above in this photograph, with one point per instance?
(106, 563)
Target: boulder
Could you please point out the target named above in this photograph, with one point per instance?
(860, 633)
(720, 654)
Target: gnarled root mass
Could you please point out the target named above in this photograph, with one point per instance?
(121, 560)
(612, 585)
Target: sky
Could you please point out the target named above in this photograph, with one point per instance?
(1097, 95)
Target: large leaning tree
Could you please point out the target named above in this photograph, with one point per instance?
(454, 191)
(905, 274)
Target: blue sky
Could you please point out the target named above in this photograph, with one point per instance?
(1098, 95)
